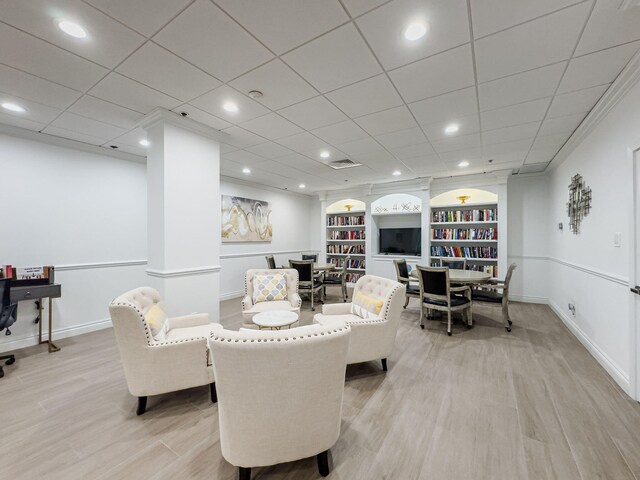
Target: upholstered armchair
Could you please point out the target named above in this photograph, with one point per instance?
(292, 303)
(179, 359)
(279, 393)
(372, 338)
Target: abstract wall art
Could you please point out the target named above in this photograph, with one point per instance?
(245, 220)
(579, 203)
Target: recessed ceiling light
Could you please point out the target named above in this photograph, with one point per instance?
(12, 107)
(396, 173)
(230, 107)
(72, 29)
(246, 171)
(144, 142)
(452, 128)
(302, 185)
(415, 31)
(324, 154)
(463, 164)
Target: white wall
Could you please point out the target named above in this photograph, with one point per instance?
(292, 216)
(75, 210)
(587, 269)
(529, 224)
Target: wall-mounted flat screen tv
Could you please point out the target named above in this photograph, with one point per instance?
(403, 241)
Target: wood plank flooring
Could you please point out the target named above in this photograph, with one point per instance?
(482, 404)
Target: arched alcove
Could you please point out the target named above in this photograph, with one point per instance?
(397, 203)
(346, 205)
(475, 197)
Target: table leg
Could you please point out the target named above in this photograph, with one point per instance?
(39, 320)
(51, 345)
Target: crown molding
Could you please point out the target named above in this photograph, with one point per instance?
(625, 81)
(162, 115)
(249, 183)
(68, 143)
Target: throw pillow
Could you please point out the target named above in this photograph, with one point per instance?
(157, 321)
(365, 306)
(269, 287)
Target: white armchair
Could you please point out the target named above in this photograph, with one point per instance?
(181, 360)
(371, 338)
(292, 303)
(279, 393)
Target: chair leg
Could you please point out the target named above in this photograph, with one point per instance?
(406, 301)
(312, 295)
(214, 393)
(244, 473)
(344, 292)
(323, 463)
(384, 364)
(142, 405)
(422, 315)
(505, 316)
(449, 323)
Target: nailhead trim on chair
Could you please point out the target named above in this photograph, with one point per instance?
(386, 313)
(265, 340)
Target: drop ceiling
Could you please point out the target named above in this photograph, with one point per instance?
(336, 75)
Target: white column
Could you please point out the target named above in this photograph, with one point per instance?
(425, 221)
(501, 189)
(183, 212)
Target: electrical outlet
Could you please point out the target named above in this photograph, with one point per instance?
(617, 239)
(572, 308)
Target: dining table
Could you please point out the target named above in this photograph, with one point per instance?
(462, 277)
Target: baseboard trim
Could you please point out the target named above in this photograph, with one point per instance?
(231, 295)
(528, 299)
(602, 358)
(57, 334)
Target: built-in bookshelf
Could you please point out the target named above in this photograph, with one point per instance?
(466, 231)
(346, 237)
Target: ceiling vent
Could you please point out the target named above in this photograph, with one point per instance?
(346, 163)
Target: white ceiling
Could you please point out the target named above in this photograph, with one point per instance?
(517, 76)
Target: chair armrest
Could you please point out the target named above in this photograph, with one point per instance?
(466, 289)
(192, 320)
(336, 309)
(295, 299)
(247, 302)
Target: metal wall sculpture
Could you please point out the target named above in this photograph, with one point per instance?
(579, 202)
(245, 220)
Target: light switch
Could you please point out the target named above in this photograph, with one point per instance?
(617, 239)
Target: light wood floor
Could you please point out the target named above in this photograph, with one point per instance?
(483, 404)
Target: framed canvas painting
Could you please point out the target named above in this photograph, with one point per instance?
(245, 220)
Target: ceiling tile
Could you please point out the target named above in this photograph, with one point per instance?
(123, 147)
(423, 162)
(538, 83)
(384, 29)
(271, 126)
(473, 155)
(40, 58)
(576, 102)
(105, 112)
(108, 42)
(534, 168)
(410, 151)
(71, 135)
(392, 120)
(241, 138)
(363, 146)
(203, 117)
(214, 101)
(157, 68)
(342, 132)
(130, 94)
(334, 154)
(510, 134)
(205, 36)
(368, 96)
(269, 150)
(597, 68)
(460, 103)
(435, 75)
(144, 16)
(21, 122)
(551, 141)
(285, 24)
(280, 85)
(131, 138)
(402, 138)
(608, 26)
(36, 89)
(35, 112)
(515, 114)
(512, 51)
(358, 7)
(540, 155)
(303, 142)
(486, 19)
(244, 158)
(466, 125)
(507, 152)
(314, 113)
(565, 124)
(334, 60)
(87, 126)
(461, 142)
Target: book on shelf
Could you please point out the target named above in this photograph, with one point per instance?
(346, 249)
(464, 252)
(353, 277)
(490, 269)
(476, 215)
(340, 220)
(347, 235)
(464, 233)
(352, 263)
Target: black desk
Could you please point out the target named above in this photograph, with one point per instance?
(39, 292)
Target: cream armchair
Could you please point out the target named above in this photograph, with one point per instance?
(279, 393)
(182, 360)
(371, 338)
(292, 303)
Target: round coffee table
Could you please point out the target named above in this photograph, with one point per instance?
(275, 319)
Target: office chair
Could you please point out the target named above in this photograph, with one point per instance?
(8, 314)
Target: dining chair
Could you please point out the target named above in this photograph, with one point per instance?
(338, 279)
(455, 263)
(308, 282)
(402, 274)
(436, 293)
(497, 292)
(271, 262)
(310, 256)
